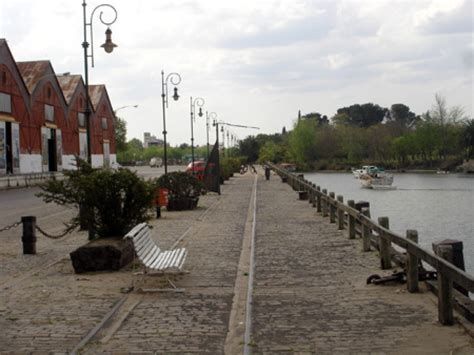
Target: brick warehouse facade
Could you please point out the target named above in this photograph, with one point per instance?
(42, 121)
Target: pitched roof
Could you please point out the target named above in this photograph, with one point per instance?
(32, 72)
(69, 85)
(95, 94)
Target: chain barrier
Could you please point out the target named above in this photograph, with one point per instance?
(14, 225)
(68, 230)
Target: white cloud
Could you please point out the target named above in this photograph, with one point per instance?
(256, 62)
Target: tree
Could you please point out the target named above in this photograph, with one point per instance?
(341, 118)
(302, 142)
(317, 117)
(401, 114)
(363, 115)
(468, 138)
(270, 151)
(135, 143)
(121, 134)
(445, 117)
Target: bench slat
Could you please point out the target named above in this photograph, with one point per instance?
(150, 254)
(160, 266)
(170, 260)
(175, 259)
(157, 261)
(180, 265)
(180, 255)
(145, 250)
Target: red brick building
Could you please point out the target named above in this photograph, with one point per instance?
(42, 121)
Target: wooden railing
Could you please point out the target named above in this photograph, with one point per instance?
(359, 222)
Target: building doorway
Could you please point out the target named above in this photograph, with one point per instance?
(8, 147)
(52, 158)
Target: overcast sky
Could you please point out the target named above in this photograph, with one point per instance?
(256, 62)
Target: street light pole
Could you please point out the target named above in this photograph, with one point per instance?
(108, 47)
(218, 164)
(200, 103)
(175, 79)
(209, 116)
(122, 107)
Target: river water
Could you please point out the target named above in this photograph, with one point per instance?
(437, 206)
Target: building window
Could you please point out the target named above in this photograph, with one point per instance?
(81, 119)
(48, 92)
(4, 78)
(5, 103)
(104, 123)
(49, 113)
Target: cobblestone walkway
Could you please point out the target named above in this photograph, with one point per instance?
(309, 289)
(310, 294)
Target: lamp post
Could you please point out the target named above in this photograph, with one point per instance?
(215, 123)
(122, 107)
(175, 79)
(108, 47)
(200, 103)
(209, 116)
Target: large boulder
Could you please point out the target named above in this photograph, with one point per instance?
(104, 254)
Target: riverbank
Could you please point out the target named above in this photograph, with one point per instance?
(309, 293)
(466, 167)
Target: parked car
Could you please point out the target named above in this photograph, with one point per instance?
(156, 162)
(197, 169)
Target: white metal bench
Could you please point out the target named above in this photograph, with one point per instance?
(153, 258)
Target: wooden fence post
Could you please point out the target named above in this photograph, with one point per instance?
(445, 290)
(313, 193)
(340, 213)
(332, 208)
(325, 203)
(365, 231)
(318, 199)
(384, 246)
(412, 264)
(351, 230)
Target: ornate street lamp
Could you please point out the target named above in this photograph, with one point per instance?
(108, 47)
(209, 116)
(175, 79)
(200, 103)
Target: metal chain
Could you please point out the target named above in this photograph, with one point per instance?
(14, 225)
(69, 229)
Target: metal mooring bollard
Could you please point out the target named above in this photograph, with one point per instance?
(29, 234)
(267, 173)
(158, 212)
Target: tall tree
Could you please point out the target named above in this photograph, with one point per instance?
(121, 134)
(468, 138)
(364, 115)
(401, 114)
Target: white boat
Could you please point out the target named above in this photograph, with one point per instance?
(365, 169)
(377, 181)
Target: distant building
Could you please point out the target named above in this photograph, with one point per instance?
(42, 120)
(151, 141)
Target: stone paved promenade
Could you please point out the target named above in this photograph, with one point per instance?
(309, 292)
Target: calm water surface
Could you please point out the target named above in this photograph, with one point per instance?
(438, 206)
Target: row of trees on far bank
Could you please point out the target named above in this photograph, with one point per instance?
(396, 138)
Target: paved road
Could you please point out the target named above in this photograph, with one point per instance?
(309, 293)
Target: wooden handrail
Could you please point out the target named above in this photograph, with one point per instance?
(441, 265)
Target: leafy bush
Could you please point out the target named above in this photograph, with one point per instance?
(112, 201)
(180, 184)
(230, 165)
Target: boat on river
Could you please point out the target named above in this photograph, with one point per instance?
(377, 179)
(365, 168)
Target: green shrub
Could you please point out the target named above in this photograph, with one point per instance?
(112, 201)
(180, 184)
